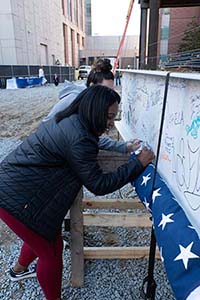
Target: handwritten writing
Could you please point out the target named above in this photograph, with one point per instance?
(186, 169)
(193, 128)
(176, 118)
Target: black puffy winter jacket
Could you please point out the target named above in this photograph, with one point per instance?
(41, 178)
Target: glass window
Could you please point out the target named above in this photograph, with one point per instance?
(76, 11)
(81, 12)
(63, 6)
(83, 42)
(164, 33)
(69, 9)
(78, 38)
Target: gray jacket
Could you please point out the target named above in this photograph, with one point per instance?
(67, 96)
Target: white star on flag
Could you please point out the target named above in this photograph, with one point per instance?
(165, 220)
(146, 179)
(153, 223)
(191, 227)
(146, 204)
(186, 254)
(155, 194)
(178, 241)
(161, 256)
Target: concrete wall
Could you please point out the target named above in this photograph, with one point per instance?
(7, 40)
(31, 32)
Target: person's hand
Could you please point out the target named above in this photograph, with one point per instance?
(133, 145)
(145, 156)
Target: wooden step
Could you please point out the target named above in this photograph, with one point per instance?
(116, 219)
(117, 252)
(127, 203)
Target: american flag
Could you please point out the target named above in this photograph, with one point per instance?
(178, 242)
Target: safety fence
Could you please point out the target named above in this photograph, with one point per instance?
(10, 71)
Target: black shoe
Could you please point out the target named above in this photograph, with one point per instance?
(16, 276)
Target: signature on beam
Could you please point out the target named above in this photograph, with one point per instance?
(186, 170)
(193, 129)
(165, 156)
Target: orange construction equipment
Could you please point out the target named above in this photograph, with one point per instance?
(123, 36)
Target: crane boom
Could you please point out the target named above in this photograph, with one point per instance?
(123, 36)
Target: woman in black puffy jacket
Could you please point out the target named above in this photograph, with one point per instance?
(41, 178)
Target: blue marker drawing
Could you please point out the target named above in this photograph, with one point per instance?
(193, 129)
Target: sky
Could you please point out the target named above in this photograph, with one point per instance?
(109, 17)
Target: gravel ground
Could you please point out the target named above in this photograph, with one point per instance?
(20, 112)
(22, 109)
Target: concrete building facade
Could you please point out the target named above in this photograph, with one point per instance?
(107, 46)
(46, 32)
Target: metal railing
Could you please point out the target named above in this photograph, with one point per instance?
(188, 60)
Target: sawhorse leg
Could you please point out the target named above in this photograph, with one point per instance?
(77, 255)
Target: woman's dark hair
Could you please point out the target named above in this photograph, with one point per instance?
(101, 71)
(92, 105)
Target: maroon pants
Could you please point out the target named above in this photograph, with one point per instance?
(49, 265)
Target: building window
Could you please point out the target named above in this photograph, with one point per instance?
(76, 11)
(81, 12)
(65, 37)
(166, 11)
(164, 33)
(83, 42)
(163, 58)
(53, 59)
(69, 9)
(88, 25)
(78, 38)
(43, 54)
(73, 47)
(63, 7)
